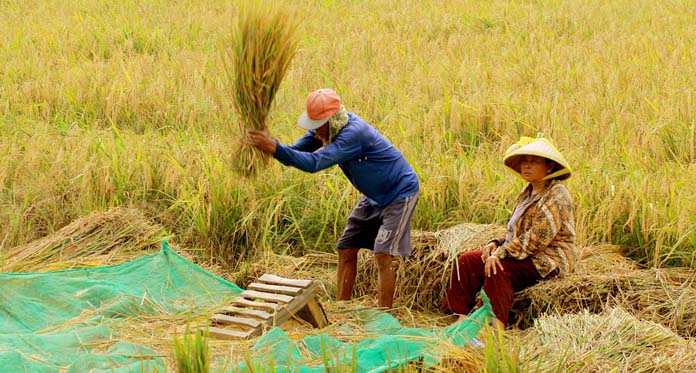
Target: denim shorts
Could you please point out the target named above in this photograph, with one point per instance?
(384, 231)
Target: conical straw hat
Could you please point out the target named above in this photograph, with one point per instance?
(540, 147)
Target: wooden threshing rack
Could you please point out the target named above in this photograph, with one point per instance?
(269, 301)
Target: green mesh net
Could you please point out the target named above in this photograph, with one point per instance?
(390, 346)
(68, 320)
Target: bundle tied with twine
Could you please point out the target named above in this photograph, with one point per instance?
(264, 43)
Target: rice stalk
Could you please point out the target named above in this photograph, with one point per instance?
(192, 353)
(614, 340)
(422, 278)
(264, 43)
(603, 277)
(664, 296)
(100, 238)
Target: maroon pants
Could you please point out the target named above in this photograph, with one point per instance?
(500, 288)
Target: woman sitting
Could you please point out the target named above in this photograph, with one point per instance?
(540, 239)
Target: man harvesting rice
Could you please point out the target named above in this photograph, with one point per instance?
(381, 221)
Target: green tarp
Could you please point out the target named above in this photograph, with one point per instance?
(69, 321)
(390, 346)
(61, 321)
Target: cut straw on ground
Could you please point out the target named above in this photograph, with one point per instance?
(603, 278)
(609, 314)
(101, 238)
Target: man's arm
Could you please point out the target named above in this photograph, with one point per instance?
(344, 148)
(263, 140)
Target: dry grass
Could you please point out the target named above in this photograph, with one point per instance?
(614, 340)
(605, 279)
(101, 238)
(422, 278)
(608, 315)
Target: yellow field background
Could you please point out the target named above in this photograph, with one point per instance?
(105, 104)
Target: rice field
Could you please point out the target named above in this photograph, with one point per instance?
(134, 110)
(127, 104)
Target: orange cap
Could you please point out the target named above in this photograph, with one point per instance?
(321, 105)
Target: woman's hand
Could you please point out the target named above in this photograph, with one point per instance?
(492, 265)
(487, 250)
(262, 139)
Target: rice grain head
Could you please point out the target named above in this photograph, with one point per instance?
(264, 43)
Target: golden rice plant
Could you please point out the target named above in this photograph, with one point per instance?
(264, 43)
(100, 238)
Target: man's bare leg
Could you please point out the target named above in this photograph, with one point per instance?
(345, 275)
(387, 280)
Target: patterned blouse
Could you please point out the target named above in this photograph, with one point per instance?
(545, 231)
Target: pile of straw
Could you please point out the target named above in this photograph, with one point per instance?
(101, 238)
(423, 277)
(605, 278)
(614, 340)
(264, 44)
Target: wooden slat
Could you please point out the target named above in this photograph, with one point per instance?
(299, 302)
(221, 333)
(252, 294)
(281, 297)
(263, 315)
(289, 290)
(315, 314)
(225, 319)
(273, 279)
(281, 316)
(247, 303)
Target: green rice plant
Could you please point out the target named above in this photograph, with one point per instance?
(499, 355)
(679, 141)
(255, 64)
(192, 353)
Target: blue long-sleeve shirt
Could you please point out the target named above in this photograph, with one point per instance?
(371, 163)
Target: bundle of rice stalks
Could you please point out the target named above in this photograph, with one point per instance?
(614, 340)
(100, 238)
(264, 43)
(422, 278)
(605, 278)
